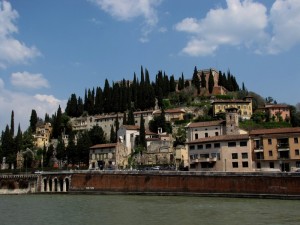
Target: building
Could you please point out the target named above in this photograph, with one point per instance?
(244, 107)
(276, 149)
(171, 115)
(207, 129)
(277, 112)
(42, 135)
(227, 153)
(219, 145)
(181, 157)
(108, 156)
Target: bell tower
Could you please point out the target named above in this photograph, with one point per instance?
(232, 121)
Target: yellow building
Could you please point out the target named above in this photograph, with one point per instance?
(42, 135)
(244, 107)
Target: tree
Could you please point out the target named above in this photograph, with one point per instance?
(112, 135)
(33, 120)
(7, 146)
(83, 147)
(180, 137)
(160, 122)
(130, 120)
(211, 82)
(12, 124)
(196, 80)
(60, 149)
(142, 139)
(97, 135)
(203, 80)
(57, 122)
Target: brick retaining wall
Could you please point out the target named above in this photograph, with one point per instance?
(197, 183)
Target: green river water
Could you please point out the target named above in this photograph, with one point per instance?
(144, 210)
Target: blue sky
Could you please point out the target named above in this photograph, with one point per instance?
(51, 49)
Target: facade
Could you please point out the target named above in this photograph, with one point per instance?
(172, 114)
(244, 107)
(277, 112)
(276, 149)
(227, 153)
(181, 157)
(42, 135)
(127, 135)
(108, 156)
(105, 121)
(199, 130)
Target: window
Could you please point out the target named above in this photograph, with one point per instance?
(244, 155)
(196, 136)
(296, 140)
(217, 145)
(269, 141)
(234, 155)
(217, 133)
(258, 165)
(297, 152)
(200, 146)
(235, 164)
(208, 146)
(231, 144)
(270, 153)
(245, 164)
(271, 164)
(297, 164)
(243, 143)
(206, 134)
(192, 147)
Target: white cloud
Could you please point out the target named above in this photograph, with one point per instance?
(285, 19)
(22, 105)
(12, 51)
(127, 10)
(242, 23)
(27, 80)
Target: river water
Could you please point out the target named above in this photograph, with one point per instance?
(144, 210)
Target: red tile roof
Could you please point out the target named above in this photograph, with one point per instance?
(275, 131)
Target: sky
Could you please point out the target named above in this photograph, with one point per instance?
(52, 49)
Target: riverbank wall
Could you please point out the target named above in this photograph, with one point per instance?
(261, 185)
(255, 185)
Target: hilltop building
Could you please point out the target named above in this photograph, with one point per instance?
(244, 107)
(277, 112)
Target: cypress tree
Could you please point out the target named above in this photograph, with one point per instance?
(98, 101)
(33, 120)
(112, 135)
(80, 107)
(196, 80)
(124, 119)
(172, 84)
(130, 120)
(211, 82)
(203, 80)
(12, 124)
(106, 97)
(142, 132)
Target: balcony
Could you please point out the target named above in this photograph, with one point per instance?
(283, 147)
(199, 160)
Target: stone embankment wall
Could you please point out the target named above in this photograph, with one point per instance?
(189, 183)
(18, 184)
